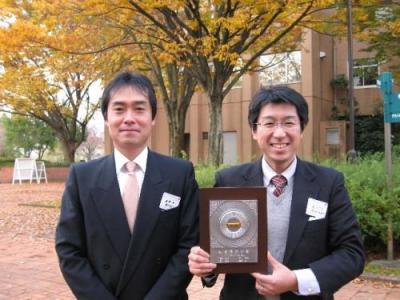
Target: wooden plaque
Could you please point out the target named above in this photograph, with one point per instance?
(233, 228)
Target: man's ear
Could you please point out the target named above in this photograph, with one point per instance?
(254, 133)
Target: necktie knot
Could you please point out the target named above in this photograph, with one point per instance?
(130, 167)
(279, 181)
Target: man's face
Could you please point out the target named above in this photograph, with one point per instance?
(279, 134)
(129, 120)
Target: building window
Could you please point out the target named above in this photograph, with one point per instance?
(280, 68)
(332, 136)
(230, 148)
(365, 72)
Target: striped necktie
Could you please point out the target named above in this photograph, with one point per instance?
(279, 181)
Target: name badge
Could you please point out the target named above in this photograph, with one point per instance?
(169, 201)
(316, 209)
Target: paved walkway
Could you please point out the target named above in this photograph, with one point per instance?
(28, 263)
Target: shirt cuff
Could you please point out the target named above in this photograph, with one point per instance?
(307, 282)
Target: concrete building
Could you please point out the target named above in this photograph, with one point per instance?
(309, 70)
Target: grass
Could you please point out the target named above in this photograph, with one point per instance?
(44, 203)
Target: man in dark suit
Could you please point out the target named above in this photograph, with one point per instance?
(107, 250)
(314, 242)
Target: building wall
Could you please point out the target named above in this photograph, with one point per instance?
(368, 99)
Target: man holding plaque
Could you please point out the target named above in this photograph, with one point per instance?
(314, 241)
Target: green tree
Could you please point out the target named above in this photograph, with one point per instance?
(27, 134)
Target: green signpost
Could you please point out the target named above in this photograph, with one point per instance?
(391, 100)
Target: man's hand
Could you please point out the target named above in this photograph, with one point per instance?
(280, 281)
(199, 262)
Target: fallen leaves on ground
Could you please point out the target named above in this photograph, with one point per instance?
(18, 217)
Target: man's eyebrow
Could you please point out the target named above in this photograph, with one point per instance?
(139, 102)
(273, 118)
(116, 102)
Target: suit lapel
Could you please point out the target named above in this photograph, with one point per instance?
(304, 187)
(108, 202)
(147, 216)
(254, 175)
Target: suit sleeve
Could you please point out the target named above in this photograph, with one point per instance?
(346, 258)
(176, 277)
(71, 249)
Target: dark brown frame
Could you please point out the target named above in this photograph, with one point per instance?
(236, 193)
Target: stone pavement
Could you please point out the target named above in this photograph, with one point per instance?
(28, 263)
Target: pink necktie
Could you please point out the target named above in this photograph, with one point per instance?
(279, 181)
(130, 196)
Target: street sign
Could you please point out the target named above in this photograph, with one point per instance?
(391, 100)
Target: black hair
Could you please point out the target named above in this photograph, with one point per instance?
(277, 94)
(129, 79)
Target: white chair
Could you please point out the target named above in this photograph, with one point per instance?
(41, 171)
(25, 169)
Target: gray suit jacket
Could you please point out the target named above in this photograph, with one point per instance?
(331, 247)
(99, 257)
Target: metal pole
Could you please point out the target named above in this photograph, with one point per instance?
(388, 155)
(352, 151)
(389, 181)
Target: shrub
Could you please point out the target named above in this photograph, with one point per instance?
(366, 181)
(6, 162)
(205, 175)
(369, 134)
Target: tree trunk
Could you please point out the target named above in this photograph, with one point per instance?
(215, 142)
(176, 136)
(177, 99)
(68, 151)
(176, 113)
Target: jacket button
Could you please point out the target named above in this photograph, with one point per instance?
(106, 266)
(158, 260)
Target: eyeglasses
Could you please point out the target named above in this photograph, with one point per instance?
(269, 125)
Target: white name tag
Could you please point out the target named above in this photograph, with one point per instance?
(316, 209)
(169, 201)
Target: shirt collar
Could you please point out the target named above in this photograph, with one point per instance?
(269, 172)
(140, 160)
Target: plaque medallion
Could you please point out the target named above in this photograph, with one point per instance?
(233, 228)
(233, 231)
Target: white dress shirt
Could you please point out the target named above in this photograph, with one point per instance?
(140, 170)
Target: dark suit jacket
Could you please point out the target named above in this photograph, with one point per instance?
(99, 257)
(331, 247)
